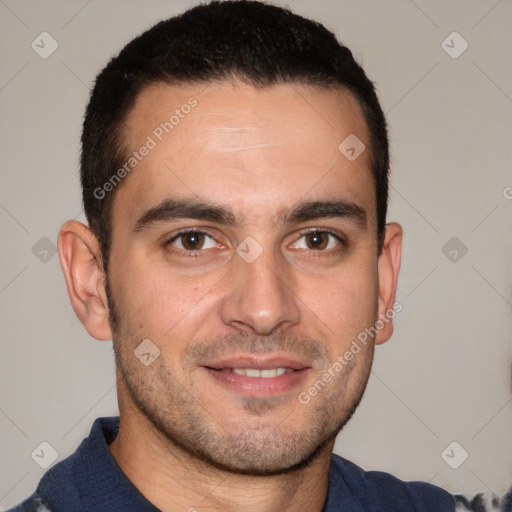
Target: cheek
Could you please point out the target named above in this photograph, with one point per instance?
(158, 303)
(345, 302)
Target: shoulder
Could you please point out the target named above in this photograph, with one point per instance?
(56, 491)
(63, 487)
(376, 490)
(32, 504)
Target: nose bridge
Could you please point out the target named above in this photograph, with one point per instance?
(259, 298)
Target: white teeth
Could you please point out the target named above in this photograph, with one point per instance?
(266, 374)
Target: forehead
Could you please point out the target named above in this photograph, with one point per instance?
(263, 147)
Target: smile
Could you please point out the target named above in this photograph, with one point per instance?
(258, 377)
(267, 373)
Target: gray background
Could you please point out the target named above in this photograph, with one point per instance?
(444, 376)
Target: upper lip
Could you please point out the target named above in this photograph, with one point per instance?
(257, 362)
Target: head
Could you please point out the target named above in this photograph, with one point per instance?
(230, 229)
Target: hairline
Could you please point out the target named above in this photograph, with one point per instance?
(120, 134)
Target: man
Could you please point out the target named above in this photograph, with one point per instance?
(235, 179)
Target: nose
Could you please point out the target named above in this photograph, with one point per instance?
(259, 296)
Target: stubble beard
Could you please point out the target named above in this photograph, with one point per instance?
(190, 427)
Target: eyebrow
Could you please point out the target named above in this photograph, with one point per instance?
(172, 209)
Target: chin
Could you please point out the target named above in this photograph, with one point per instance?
(259, 463)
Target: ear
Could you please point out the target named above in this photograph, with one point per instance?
(81, 262)
(389, 266)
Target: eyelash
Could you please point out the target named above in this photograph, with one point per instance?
(325, 253)
(190, 254)
(316, 253)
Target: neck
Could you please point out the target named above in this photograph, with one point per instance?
(173, 479)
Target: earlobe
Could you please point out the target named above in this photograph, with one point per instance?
(389, 267)
(80, 259)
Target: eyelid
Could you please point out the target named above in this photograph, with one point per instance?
(339, 236)
(184, 231)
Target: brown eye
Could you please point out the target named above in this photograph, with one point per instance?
(192, 241)
(317, 240)
(320, 241)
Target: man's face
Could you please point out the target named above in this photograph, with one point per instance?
(251, 298)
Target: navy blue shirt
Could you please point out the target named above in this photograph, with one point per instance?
(91, 481)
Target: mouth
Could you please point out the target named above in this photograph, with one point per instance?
(267, 373)
(253, 376)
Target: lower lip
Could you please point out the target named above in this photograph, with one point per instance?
(259, 386)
